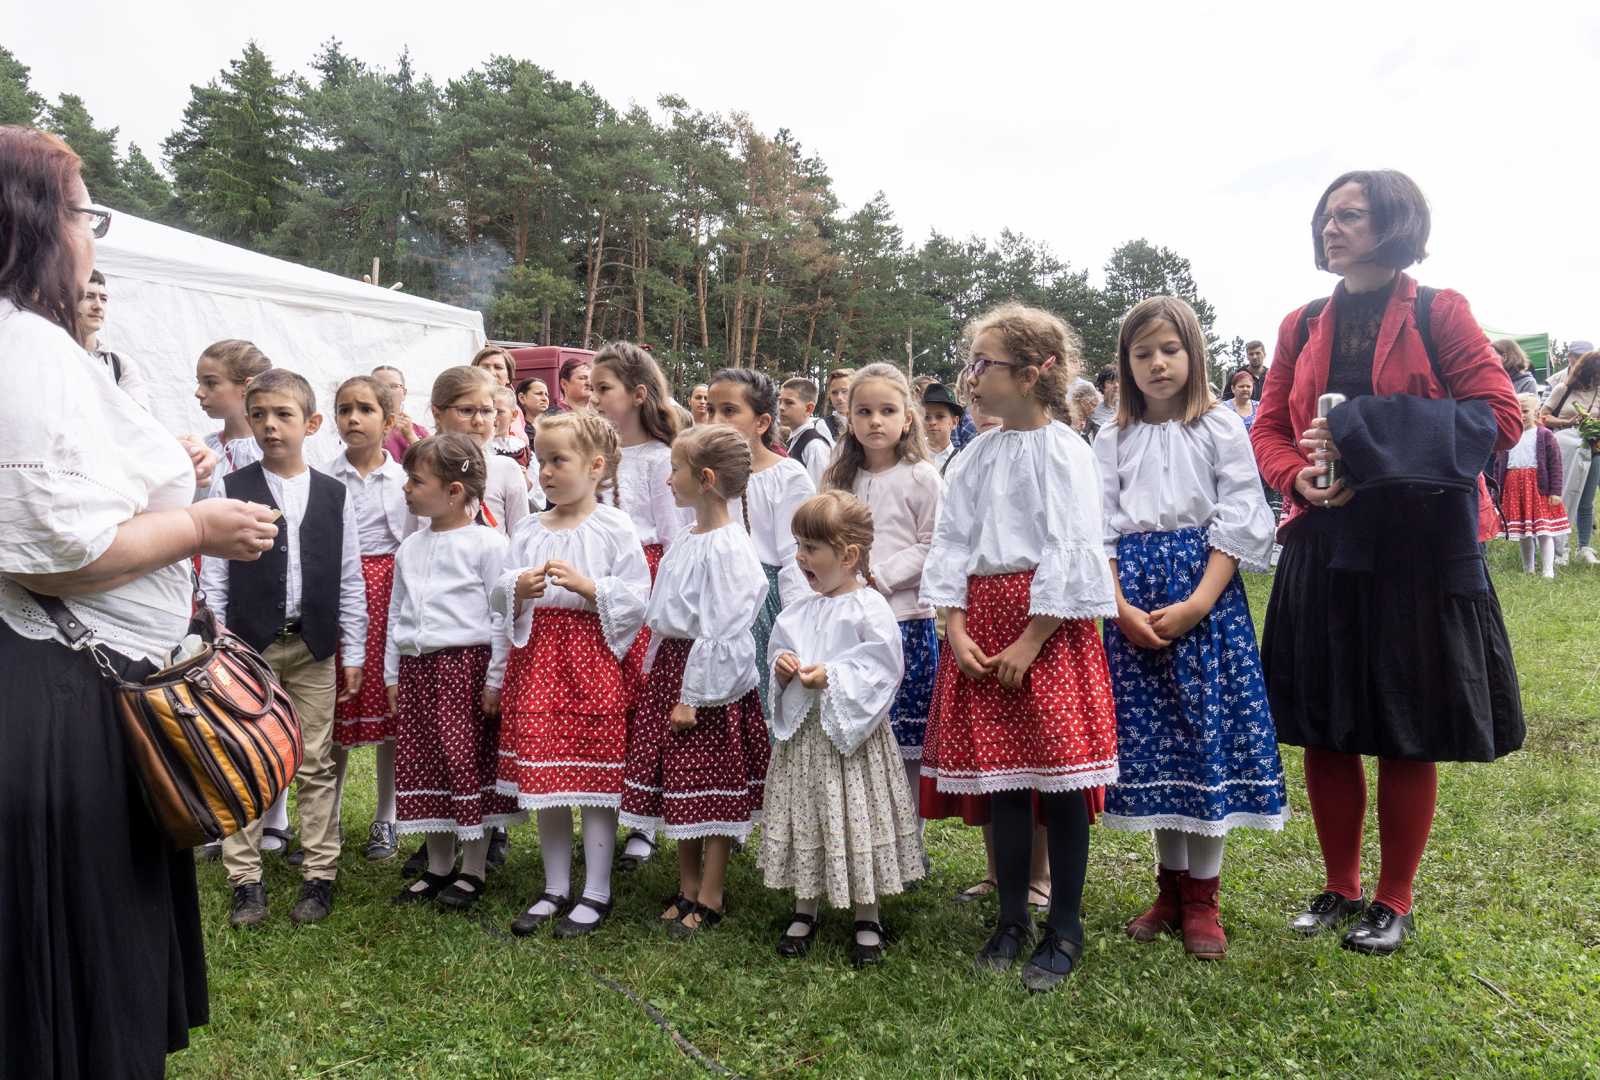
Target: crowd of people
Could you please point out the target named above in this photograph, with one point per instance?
(1017, 604)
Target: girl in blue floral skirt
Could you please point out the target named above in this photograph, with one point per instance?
(1183, 509)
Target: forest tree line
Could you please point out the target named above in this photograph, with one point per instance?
(566, 220)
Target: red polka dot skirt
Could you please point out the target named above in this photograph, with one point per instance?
(365, 718)
(633, 663)
(1058, 732)
(707, 781)
(445, 747)
(564, 715)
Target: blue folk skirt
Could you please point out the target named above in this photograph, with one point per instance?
(919, 642)
(762, 631)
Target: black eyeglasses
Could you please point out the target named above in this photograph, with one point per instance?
(102, 219)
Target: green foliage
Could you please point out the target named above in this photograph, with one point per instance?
(70, 119)
(19, 104)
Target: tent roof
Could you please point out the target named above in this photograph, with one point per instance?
(145, 251)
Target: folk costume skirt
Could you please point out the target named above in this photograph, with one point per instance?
(1057, 732)
(364, 719)
(1195, 741)
(564, 715)
(446, 748)
(771, 607)
(1388, 663)
(100, 941)
(840, 826)
(1526, 512)
(919, 644)
(633, 663)
(706, 781)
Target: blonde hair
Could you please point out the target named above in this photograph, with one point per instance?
(837, 519)
(240, 359)
(1197, 399)
(453, 382)
(1037, 339)
(594, 436)
(850, 455)
(635, 368)
(722, 450)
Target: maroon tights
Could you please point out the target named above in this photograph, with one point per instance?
(1336, 785)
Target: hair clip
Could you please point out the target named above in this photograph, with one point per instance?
(1049, 362)
(466, 464)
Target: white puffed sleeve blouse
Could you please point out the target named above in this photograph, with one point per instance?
(856, 637)
(642, 486)
(603, 547)
(441, 598)
(773, 495)
(1202, 475)
(709, 589)
(1024, 500)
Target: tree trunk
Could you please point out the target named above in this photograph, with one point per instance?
(596, 254)
(641, 263)
(761, 300)
(736, 320)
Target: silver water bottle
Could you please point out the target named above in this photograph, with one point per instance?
(1325, 405)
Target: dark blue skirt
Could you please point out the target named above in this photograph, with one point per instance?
(919, 641)
(1195, 739)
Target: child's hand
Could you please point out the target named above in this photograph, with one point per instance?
(969, 658)
(786, 667)
(530, 584)
(1555, 500)
(393, 694)
(682, 717)
(1176, 620)
(1135, 626)
(562, 573)
(814, 677)
(352, 684)
(491, 701)
(1012, 665)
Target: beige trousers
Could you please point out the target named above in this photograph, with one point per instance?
(311, 686)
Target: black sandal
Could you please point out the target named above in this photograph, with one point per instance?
(626, 863)
(528, 922)
(436, 883)
(795, 946)
(867, 955)
(709, 918)
(457, 898)
(566, 928)
(680, 905)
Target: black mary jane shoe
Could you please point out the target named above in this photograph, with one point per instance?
(626, 863)
(862, 955)
(435, 884)
(566, 928)
(457, 898)
(528, 922)
(1380, 931)
(1327, 911)
(499, 849)
(1003, 948)
(1052, 961)
(415, 863)
(709, 919)
(795, 946)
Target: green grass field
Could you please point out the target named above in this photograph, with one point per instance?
(1502, 980)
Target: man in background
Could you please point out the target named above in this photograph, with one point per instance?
(92, 307)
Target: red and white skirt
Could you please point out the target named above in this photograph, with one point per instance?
(707, 781)
(1527, 512)
(1058, 732)
(564, 715)
(445, 747)
(633, 663)
(364, 719)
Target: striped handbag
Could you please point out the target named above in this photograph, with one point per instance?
(215, 738)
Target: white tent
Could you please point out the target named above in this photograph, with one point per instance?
(174, 293)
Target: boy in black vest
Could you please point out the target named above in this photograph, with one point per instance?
(300, 603)
(811, 440)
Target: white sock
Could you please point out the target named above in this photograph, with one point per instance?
(441, 852)
(1547, 555)
(555, 847)
(475, 856)
(1172, 849)
(639, 846)
(1527, 554)
(385, 811)
(276, 817)
(867, 913)
(341, 761)
(1205, 856)
(804, 907)
(599, 841)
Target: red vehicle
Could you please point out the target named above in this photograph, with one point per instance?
(544, 362)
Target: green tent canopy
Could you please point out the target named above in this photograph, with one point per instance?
(1537, 346)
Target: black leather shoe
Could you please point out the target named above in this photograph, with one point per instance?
(433, 885)
(1380, 931)
(315, 903)
(499, 849)
(1055, 958)
(862, 955)
(1327, 911)
(1003, 948)
(416, 863)
(567, 928)
(795, 946)
(528, 922)
(249, 905)
(457, 898)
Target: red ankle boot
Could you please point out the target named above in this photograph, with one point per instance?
(1166, 913)
(1203, 937)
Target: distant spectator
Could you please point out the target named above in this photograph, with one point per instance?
(533, 396)
(497, 362)
(1255, 355)
(1083, 400)
(838, 399)
(809, 439)
(405, 430)
(942, 415)
(1105, 381)
(1516, 362)
(700, 403)
(91, 320)
(1562, 414)
(574, 380)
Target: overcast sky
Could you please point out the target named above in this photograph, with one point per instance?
(1207, 127)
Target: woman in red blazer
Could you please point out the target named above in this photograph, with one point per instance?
(1391, 663)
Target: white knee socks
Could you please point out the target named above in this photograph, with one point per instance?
(1172, 849)
(1527, 554)
(555, 847)
(1547, 556)
(599, 841)
(1200, 855)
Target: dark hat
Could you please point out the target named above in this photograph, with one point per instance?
(936, 394)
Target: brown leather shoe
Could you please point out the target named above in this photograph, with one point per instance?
(1166, 914)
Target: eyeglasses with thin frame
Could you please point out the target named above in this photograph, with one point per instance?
(469, 412)
(983, 363)
(1348, 218)
(102, 219)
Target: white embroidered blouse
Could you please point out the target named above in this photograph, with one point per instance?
(642, 486)
(440, 599)
(856, 638)
(709, 588)
(772, 495)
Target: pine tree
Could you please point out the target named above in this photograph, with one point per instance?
(18, 102)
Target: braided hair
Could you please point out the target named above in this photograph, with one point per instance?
(726, 453)
(595, 437)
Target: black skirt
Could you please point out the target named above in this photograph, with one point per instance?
(102, 970)
(1387, 663)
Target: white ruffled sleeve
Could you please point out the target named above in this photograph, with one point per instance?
(492, 562)
(1073, 580)
(863, 679)
(721, 666)
(1105, 456)
(503, 608)
(794, 628)
(622, 596)
(1243, 525)
(944, 572)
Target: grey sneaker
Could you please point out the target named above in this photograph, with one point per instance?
(383, 842)
(315, 903)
